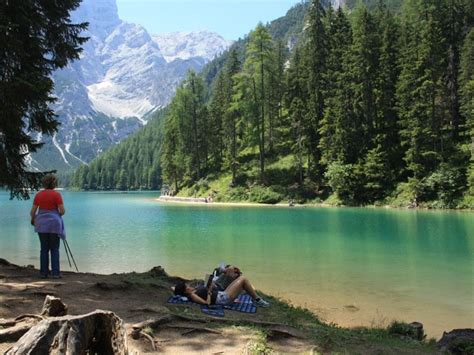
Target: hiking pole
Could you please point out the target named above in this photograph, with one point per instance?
(70, 252)
(67, 254)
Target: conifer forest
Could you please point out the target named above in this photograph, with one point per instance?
(357, 105)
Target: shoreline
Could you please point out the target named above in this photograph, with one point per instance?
(136, 297)
(192, 201)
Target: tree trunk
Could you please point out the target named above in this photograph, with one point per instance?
(99, 332)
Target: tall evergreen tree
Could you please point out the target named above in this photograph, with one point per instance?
(172, 160)
(382, 162)
(466, 80)
(190, 111)
(258, 65)
(338, 111)
(37, 38)
(365, 69)
(218, 106)
(232, 113)
(296, 103)
(315, 56)
(419, 89)
(276, 83)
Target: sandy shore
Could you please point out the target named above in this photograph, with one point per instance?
(197, 201)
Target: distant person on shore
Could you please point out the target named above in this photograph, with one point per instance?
(46, 216)
(211, 295)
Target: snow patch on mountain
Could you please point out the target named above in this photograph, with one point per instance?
(121, 77)
(110, 99)
(185, 45)
(338, 3)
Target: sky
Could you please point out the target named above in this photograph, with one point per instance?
(229, 18)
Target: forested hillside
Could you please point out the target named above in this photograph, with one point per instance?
(133, 164)
(125, 156)
(368, 106)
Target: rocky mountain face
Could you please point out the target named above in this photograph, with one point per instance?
(338, 3)
(124, 74)
(186, 45)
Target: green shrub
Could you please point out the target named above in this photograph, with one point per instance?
(405, 330)
(261, 194)
(238, 193)
(444, 185)
(345, 181)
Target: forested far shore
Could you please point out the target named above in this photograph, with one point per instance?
(361, 107)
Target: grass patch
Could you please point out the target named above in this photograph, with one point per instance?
(259, 345)
(333, 200)
(148, 331)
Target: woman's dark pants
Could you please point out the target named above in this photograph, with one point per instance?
(49, 244)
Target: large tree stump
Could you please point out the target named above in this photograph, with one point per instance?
(418, 331)
(53, 307)
(99, 332)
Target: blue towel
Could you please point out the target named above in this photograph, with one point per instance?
(244, 305)
(216, 311)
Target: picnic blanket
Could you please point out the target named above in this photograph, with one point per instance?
(244, 304)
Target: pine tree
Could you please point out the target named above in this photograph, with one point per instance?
(336, 128)
(276, 80)
(232, 68)
(419, 89)
(295, 101)
(365, 67)
(466, 80)
(257, 66)
(315, 57)
(382, 162)
(339, 98)
(172, 157)
(189, 111)
(37, 38)
(218, 106)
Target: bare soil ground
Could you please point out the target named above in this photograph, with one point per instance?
(138, 297)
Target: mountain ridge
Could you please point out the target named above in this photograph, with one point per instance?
(121, 77)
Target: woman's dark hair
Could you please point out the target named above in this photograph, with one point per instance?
(180, 289)
(49, 181)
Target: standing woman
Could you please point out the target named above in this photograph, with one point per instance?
(46, 215)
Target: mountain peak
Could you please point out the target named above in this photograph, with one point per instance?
(186, 45)
(102, 16)
(121, 77)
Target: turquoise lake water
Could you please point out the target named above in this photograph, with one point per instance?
(350, 266)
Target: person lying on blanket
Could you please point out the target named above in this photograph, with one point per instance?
(211, 296)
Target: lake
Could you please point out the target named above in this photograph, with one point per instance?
(352, 266)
